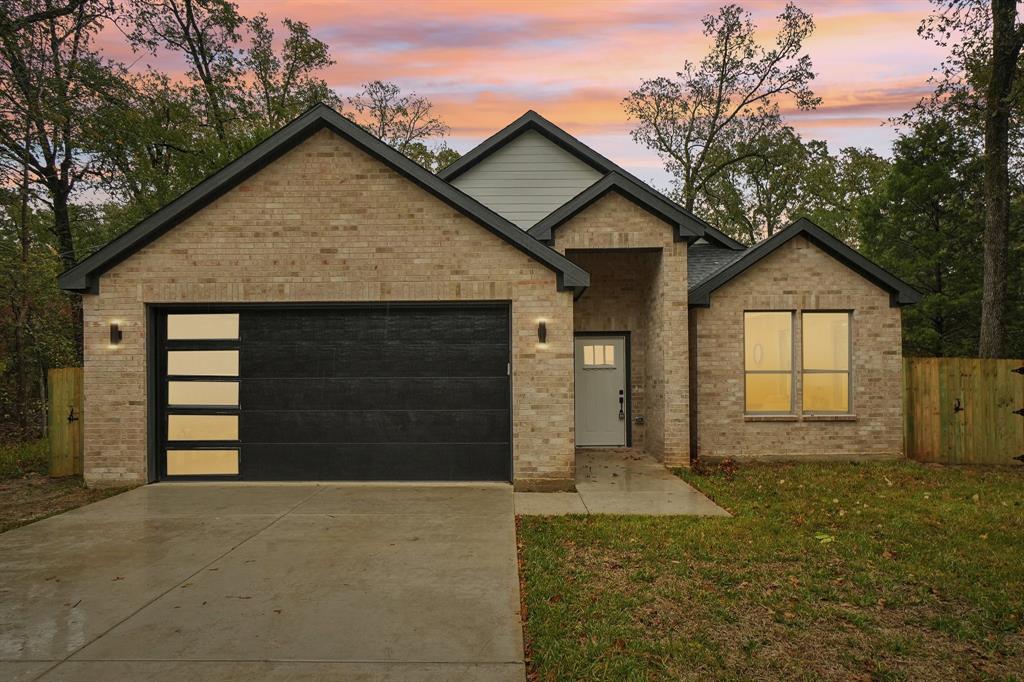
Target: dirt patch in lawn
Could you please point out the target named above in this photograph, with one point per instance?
(34, 496)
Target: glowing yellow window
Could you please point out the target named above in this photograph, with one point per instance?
(209, 363)
(202, 462)
(599, 356)
(826, 363)
(202, 427)
(768, 362)
(202, 326)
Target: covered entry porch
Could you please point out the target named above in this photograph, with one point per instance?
(631, 352)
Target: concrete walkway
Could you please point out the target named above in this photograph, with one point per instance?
(620, 482)
(266, 582)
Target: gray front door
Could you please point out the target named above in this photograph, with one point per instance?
(601, 391)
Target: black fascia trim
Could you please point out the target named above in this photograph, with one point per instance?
(683, 227)
(900, 293)
(84, 277)
(531, 120)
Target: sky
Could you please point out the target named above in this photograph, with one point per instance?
(483, 62)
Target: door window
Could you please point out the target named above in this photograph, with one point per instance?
(598, 356)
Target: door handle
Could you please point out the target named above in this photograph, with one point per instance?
(622, 403)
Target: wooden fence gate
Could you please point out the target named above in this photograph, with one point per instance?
(963, 410)
(64, 421)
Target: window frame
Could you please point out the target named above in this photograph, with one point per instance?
(849, 363)
(792, 365)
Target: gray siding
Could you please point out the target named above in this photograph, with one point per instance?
(527, 179)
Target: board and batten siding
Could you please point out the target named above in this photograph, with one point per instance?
(526, 179)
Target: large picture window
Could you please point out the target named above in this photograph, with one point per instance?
(768, 362)
(826, 362)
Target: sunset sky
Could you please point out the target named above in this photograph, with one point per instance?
(484, 63)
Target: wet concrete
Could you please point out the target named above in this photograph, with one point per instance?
(620, 482)
(233, 582)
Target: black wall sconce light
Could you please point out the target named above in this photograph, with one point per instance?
(542, 332)
(115, 333)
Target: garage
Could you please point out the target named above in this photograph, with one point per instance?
(414, 392)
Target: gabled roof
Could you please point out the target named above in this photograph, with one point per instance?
(531, 120)
(684, 226)
(900, 293)
(84, 277)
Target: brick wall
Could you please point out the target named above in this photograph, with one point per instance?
(799, 277)
(326, 222)
(638, 284)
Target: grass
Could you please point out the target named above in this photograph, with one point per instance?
(872, 571)
(21, 459)
(27, 494)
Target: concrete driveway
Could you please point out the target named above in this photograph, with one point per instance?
(266, 582)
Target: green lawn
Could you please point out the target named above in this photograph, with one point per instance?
(871, 571)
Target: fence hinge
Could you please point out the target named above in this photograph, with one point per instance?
(1019, 458)
(1020, 411)
(1019, 370)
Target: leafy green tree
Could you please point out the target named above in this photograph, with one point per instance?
(720, 111)
(981, 84)
(404, 121)
(285, 84)
(926, 225)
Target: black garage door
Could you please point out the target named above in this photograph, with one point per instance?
(395, 392)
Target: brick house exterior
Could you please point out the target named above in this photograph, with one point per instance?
(322, 215)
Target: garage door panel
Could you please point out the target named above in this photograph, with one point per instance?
(375, 462)
(376, 393)
(445, 326)
(342, 358)
(358, 325)
(359, 426)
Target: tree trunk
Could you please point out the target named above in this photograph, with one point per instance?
(1005, 51)
(66, 243)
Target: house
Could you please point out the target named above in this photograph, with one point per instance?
(324, 308)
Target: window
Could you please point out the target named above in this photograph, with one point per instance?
(826, 366)
(219, 393)
(768, 362)
(203, 326)
(599, 356)
(202, 427)
(211, 363)
(202, 462)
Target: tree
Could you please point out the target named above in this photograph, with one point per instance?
(835, 190)
(52, 83)
(756, 197)
(925, 225)
(205, 33)
(710, 116)
(405, 122)
(285, 84)
(981, 81)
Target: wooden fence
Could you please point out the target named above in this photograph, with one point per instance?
(64, 420)
(963, 410)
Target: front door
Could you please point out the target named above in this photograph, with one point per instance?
(601, 377)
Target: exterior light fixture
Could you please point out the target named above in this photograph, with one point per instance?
(542, 332)
(115, 333)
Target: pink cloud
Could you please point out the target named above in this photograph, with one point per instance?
(484, 63)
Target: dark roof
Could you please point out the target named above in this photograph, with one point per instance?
(900, 292)
(531, 120)
(704, 260)
(84, 277)
(685, 227)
